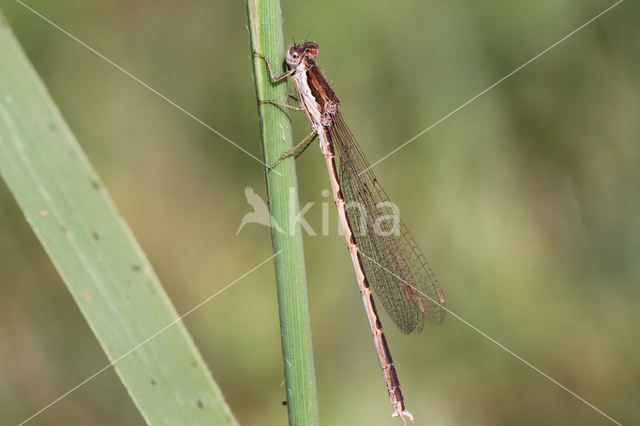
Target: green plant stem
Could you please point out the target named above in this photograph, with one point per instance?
(265, 29)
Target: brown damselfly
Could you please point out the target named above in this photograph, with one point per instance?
(385, 256)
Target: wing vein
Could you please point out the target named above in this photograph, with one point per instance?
(392, 257)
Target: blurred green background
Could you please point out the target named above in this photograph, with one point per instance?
(526, 202)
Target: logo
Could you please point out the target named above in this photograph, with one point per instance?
(260, 213)
(383, 218)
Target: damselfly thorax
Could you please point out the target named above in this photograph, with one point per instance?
(314, 93)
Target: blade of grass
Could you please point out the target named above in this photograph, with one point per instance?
(96, 255)
(265, 31)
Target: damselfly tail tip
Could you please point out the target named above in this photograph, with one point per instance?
(403, 413)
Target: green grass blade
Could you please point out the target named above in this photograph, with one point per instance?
(265, 31)
(97, 256)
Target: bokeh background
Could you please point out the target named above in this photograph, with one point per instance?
(526, 202)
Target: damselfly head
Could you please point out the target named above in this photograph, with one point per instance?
(298, 51)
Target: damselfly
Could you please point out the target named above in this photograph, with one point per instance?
(385, 256)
